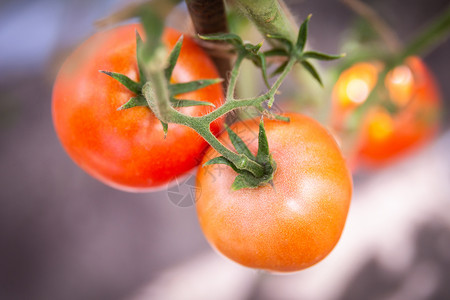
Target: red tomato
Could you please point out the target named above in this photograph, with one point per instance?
(385, 137)
(126, 149)
(292, 225)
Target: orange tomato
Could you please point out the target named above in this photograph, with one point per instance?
(126, 149)
(295, 223)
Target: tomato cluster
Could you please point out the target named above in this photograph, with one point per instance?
(283, 227)
(385, 136)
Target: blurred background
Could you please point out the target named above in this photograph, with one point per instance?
(64, 235)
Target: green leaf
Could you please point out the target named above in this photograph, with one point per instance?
(181, 88)
(165, 127)
(302, 34)
(221, 160)
(133, 102)
(228, 37)
(263, 145)
(310, 68)
(262, 61)
(188, 103)
(126, 81)
(279, 69)
(139, 47)
(173, 57)
(321, 56)
(243, 181)
(238, 143)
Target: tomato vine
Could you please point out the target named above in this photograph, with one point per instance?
(157, 91)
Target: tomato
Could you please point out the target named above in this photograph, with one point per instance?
(385, 137)
(295, 223)
(126, 149)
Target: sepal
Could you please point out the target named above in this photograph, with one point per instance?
(302, 35)
(133, 102)
(125, 81)
(245, 179)
(239, 144)
(310, 68)
(186, 87)
(321, 56)
(173, 58)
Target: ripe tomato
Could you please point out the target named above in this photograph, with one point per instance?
(126, 149)
(292, 225)
(385, 137)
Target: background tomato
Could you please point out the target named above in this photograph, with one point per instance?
(291, 226)
(127, 149)
(383, 136)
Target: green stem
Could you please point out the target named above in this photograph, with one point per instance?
(156, 88)
(269, 18)
(241, 161)
(256, 102)
(280, 79)
(431, 36)
(233, 78)
(156, 94)
(232, 105)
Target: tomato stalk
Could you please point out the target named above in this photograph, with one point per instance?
(155, 92)
(233, 78)
(434, 34)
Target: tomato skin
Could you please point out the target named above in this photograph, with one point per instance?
(289, 227)
(126, 149)
(384, 139)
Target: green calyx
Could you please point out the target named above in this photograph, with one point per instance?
(245, 179)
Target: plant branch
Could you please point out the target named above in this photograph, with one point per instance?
(156, 93)
(157, 98)
(233, 78)
(432, 35)
(383, 29)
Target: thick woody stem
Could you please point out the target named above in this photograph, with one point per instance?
(208, 17)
